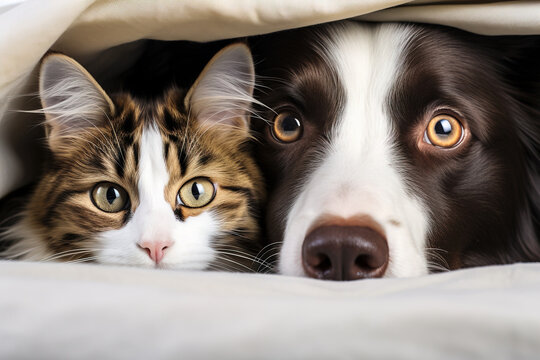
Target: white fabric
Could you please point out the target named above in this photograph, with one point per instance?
(56, 311)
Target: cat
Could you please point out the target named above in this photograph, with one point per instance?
(167, 183)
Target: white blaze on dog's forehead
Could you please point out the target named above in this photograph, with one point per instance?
(154, 218)
(361, 156)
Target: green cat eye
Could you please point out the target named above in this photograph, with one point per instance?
(109, 197)
(196, 193)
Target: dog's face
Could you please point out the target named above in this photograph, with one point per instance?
(397, 150)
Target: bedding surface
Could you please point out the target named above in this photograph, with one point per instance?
(55, 311)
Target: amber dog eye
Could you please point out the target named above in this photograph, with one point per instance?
(444, 131)
(109, 197)
(287, 127)
(196, 193)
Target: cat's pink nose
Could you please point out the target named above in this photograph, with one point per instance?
(155, 249)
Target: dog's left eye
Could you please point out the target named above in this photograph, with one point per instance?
(287, 127)
(444, 131)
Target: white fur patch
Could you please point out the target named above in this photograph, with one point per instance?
(154, 220)
(359, 173)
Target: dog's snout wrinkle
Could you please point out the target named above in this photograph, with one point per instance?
(335, 252)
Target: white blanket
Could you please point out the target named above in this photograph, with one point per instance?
(59, 311)
(54, 311)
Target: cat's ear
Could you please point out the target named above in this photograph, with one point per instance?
(223, 93)
(71, 99)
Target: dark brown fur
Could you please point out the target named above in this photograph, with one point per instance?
(486, 194)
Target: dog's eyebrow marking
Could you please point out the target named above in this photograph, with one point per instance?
(394, 222)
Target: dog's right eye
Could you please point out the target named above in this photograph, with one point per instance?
(287, 127)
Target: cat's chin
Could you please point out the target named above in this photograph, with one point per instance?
(166, 265)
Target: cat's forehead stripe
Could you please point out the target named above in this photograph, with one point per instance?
(205, 159)
(172, 122)
(128, 125)
(96, 161)
(120, 161)
(183, 159)
(166, 146)
(135, 150)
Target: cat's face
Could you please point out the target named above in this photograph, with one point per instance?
(168, 183)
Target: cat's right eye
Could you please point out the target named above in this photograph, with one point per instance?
(196, 193)
(109, 197)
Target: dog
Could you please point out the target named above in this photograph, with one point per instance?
(398, 150)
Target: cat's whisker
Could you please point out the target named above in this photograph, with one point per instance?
(270, 270)
(237, 234)
(66, 253)
(72, 252)
(238, 249)
(268, 248)
(272, 264)
(8, 219)
(245, 256)
(62, 253)
(273, 256)
(221, 267)
(14, 256)
(223, 258)
(269, 254)
(83, 260)
(270, 245)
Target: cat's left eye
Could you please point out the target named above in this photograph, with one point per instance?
(109, 197)
(196, 193)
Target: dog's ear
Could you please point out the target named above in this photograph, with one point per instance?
(223, 93)
(71, 99)
(528, 237)
(522, 71)
(520, 56)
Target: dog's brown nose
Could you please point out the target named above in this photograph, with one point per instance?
(344, 253)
